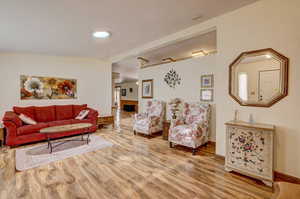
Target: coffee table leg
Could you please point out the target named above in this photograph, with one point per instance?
(88, 138)
(49, 144)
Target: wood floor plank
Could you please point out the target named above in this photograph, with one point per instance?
(135, 167)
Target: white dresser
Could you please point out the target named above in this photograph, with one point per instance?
(249, 149)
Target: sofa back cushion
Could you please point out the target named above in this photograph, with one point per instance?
(78, 108)
(45, 113)
(28, 111)
(64, 112)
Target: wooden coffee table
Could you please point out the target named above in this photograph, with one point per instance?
(63, 128)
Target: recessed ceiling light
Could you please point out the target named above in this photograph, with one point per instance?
(101, 34)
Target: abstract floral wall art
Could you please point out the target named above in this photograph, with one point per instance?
(34, 87)
(172, 78)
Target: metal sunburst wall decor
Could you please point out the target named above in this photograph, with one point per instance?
(172, 78)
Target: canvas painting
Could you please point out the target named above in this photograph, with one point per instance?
(41, 88)
(147, 88)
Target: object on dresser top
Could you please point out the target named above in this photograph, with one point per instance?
(249, 149)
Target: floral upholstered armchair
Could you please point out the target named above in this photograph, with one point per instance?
(152, 120)
(191, 129)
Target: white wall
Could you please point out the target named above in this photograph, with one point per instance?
(93, 79)
(266, 23)
(129, 95)
(190, 72)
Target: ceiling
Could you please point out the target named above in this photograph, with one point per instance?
(64, 27)
(128, 68)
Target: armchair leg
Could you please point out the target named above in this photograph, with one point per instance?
(194, 151)
(171, 145)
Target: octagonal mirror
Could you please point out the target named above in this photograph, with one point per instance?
(259, 78)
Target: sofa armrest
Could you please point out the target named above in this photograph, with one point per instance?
(93, 115)
(11, 133)
(12, 117)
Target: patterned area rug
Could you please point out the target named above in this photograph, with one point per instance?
(36, 156)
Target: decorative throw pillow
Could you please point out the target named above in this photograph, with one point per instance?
(26, 119)
(82, 114)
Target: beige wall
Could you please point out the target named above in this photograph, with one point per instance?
(129, 95)
(267, 23)
(93, 79)
(190, 72)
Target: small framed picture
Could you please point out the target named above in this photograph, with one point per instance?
(207, 81)
(123, 92)
(147, 88)
(206, 95)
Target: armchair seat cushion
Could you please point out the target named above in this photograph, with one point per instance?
(185, 135)
(142, 125)
(186, 130)
(29, 129)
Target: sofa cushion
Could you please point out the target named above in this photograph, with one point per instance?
(64, 112)
(28, 111)
(59, 123)
(29, 129)
(78, 108)
(45, 114)
(26, 119)
(74, 121)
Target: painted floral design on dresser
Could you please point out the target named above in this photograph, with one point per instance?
(248, 149)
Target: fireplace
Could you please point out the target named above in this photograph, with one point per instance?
(129, 108)
(129, 105)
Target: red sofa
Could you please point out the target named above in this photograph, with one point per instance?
(18, 133)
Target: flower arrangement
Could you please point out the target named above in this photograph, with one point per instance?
(175, 106)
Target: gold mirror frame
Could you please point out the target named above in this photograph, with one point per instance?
(285, 68)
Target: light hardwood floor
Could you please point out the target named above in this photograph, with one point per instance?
(135, 167)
